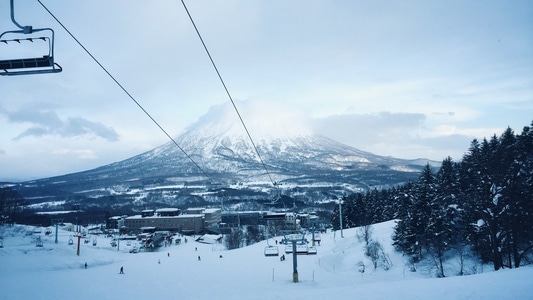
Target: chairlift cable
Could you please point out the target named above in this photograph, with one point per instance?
(126, 91)
(227, 91)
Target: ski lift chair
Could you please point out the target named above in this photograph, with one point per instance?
(288, 249)
(36, 64)
(311, 250)
(302, 248)
(271, 251)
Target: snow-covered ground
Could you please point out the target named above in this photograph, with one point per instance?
(55, 271)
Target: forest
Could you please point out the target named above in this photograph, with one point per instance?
(480, 205)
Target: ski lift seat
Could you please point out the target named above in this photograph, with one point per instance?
(22, 63)
(302, 249)
(271, 251)
(288, 249)
(26, 66)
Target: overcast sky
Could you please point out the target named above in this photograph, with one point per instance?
(408, 79)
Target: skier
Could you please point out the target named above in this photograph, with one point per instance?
(199, 258)
(121, 270)
(86, 265)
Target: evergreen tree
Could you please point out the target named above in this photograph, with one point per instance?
(411, 234)
(494, 178)
(477, 178)
(402, 200)
(442, 207)
(518, 179)
(506, 169)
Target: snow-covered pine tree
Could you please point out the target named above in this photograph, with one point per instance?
(522, 211)
(442, 206)
(411, 234)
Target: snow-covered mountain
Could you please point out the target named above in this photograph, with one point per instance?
(217, 151)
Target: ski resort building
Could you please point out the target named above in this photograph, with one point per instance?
(171, 219)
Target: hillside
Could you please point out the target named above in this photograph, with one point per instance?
(56, 272)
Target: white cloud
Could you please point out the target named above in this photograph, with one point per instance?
(47, 122)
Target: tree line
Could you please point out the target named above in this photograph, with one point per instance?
(482, 204)
(11, 204)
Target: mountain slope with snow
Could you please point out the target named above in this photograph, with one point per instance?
(55, 271)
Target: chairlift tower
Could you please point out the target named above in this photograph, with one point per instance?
(56, 223)
(341, 201)
(294, 238)
(78, 228)
(313, 220)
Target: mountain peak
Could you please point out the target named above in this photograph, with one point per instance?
(264, 121)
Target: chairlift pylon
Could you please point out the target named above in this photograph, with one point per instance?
(33, 65)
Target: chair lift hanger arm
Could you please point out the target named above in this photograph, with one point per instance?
(26, 29)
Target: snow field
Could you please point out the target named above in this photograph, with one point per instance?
(56, 272)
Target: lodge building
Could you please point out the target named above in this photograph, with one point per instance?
(195, 220)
